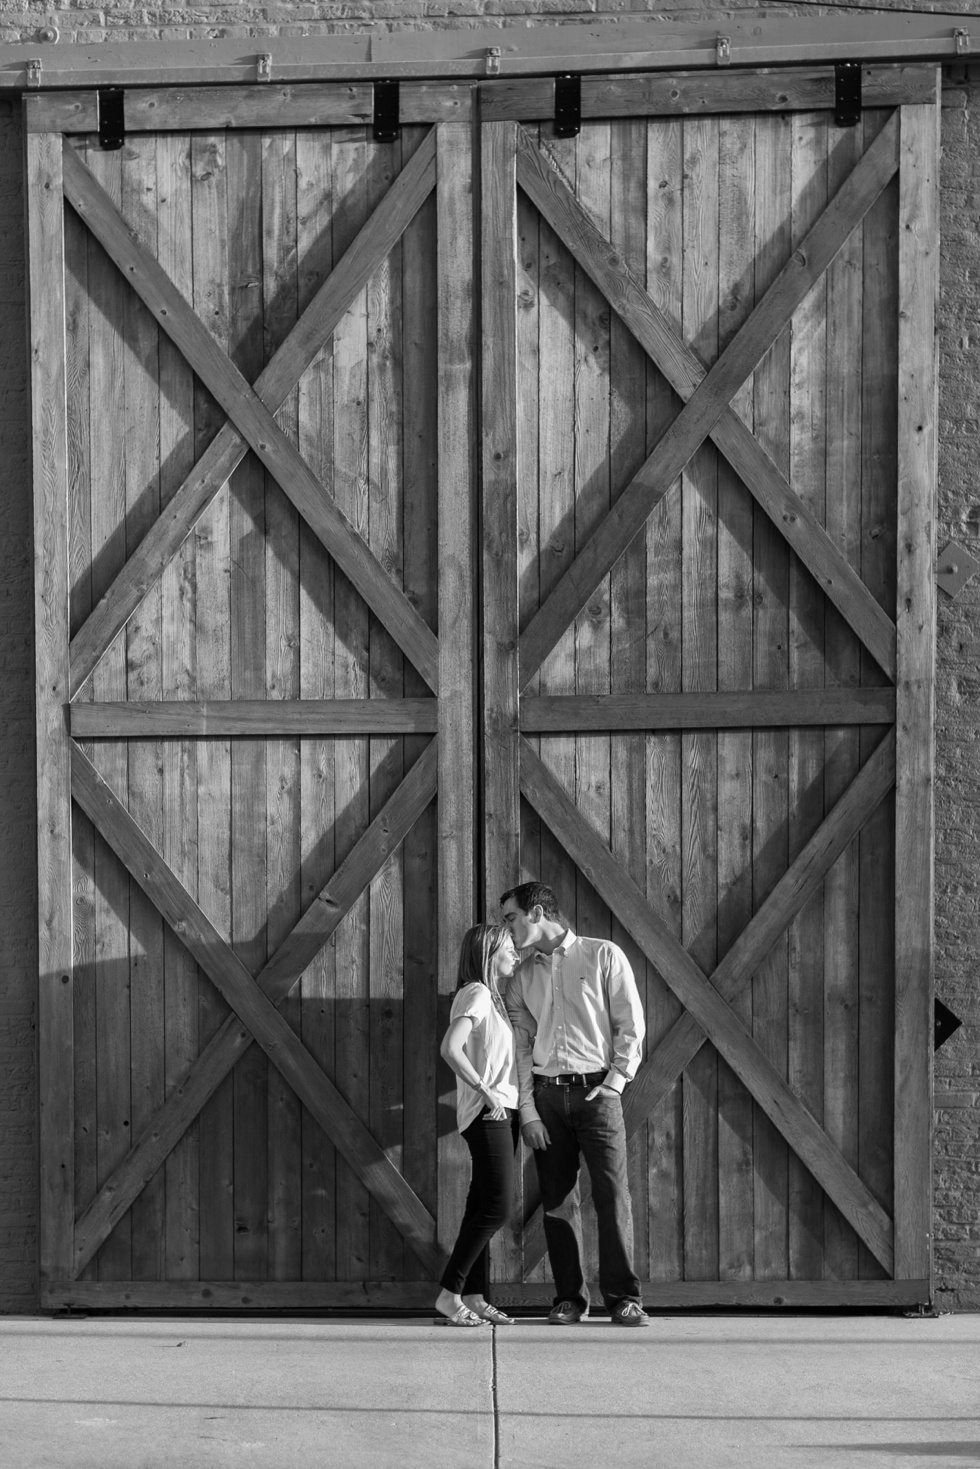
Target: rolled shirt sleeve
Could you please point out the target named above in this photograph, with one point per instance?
(626, 1018)
(525, 1029)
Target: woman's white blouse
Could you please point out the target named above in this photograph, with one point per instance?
(490, 1049)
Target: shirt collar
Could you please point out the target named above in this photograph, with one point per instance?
(563, 948)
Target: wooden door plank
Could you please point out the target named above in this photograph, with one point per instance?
(736, 259)
(876, 939)
(801, 88)
(807, 661)
(387, 511)
(457, 895)
(709, 1009)
(46, 281)
(770, 670)
(421, 851)
(531, 1299)
(317, 655)
(249, 597)
(212, 679)
(256, 1011)
(107, 498)
(352, 206)
(358, 262)
(140, 432)
(501, 470)
(320, 921)
(288, 718)
(280, 665)
(842, 752)
(918, 268)
(629, 228)
(664, 539)
(685, 371)
(179, 758)
(592, 390)
(712, 397)
(699, 673)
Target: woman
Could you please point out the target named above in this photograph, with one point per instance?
(479, 1048)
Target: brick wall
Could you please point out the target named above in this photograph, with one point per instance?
(957, 1145)
(957, 1152)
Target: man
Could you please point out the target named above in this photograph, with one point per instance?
(578, 1025)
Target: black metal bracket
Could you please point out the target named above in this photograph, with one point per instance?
(386, 125)
(847, 94)
(568, 105)
(944, 1023)
(111, 114)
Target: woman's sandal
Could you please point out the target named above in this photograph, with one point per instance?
(495, 1317)
(462, 1316)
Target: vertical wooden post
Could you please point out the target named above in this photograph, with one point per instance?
(915, 695)
(46, 254)
(501, 813)
(457, 524)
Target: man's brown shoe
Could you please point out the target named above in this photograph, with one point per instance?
(567, 1313)
(629, 1313)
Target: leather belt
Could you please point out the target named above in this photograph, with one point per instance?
(573, 1078)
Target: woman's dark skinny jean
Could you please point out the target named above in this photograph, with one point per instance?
(492, 1146)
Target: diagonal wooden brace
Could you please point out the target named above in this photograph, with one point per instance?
(251, 417)
(708, 1009)
(710, 400)
(255, 1015)
(683, 369)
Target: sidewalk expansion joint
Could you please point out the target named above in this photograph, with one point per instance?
(493, 1395)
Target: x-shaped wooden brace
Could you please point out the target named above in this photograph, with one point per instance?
(250, 411)
(255, 1016)
(708, 413)
(707, 1002)
(707, 396)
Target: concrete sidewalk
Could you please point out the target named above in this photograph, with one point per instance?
(702, 1391)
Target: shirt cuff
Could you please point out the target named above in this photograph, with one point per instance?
(529, 1113)
(615, 1081)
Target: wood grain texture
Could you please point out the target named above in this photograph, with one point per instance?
(227, 718)
(457, 895)
(46, 284)
(876, 939)
(709, 1009)
(699, 673)
(526, 1299)
(841, 745)
(685, 371)
(918, 274)
(664, 543)
(256, 1011)
(359, 259)
(801, 88)
(770, 670)
(736, 260)
(306, 105)
(501, 472)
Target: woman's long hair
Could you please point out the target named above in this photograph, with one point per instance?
(476, 957)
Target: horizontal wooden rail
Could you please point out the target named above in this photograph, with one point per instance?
(802, 89)
(579, 713)
(251, 718)
(534, 1298)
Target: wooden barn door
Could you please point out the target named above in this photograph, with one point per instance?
(255, 436)
(709, 464)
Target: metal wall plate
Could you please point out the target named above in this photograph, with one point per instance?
(954, 568)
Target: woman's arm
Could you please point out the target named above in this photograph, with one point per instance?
(456, 1059)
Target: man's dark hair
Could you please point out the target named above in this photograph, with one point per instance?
(528, 895)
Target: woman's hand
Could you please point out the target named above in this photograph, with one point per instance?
(495, 1113)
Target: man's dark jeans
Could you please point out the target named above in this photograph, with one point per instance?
(593, 1131)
